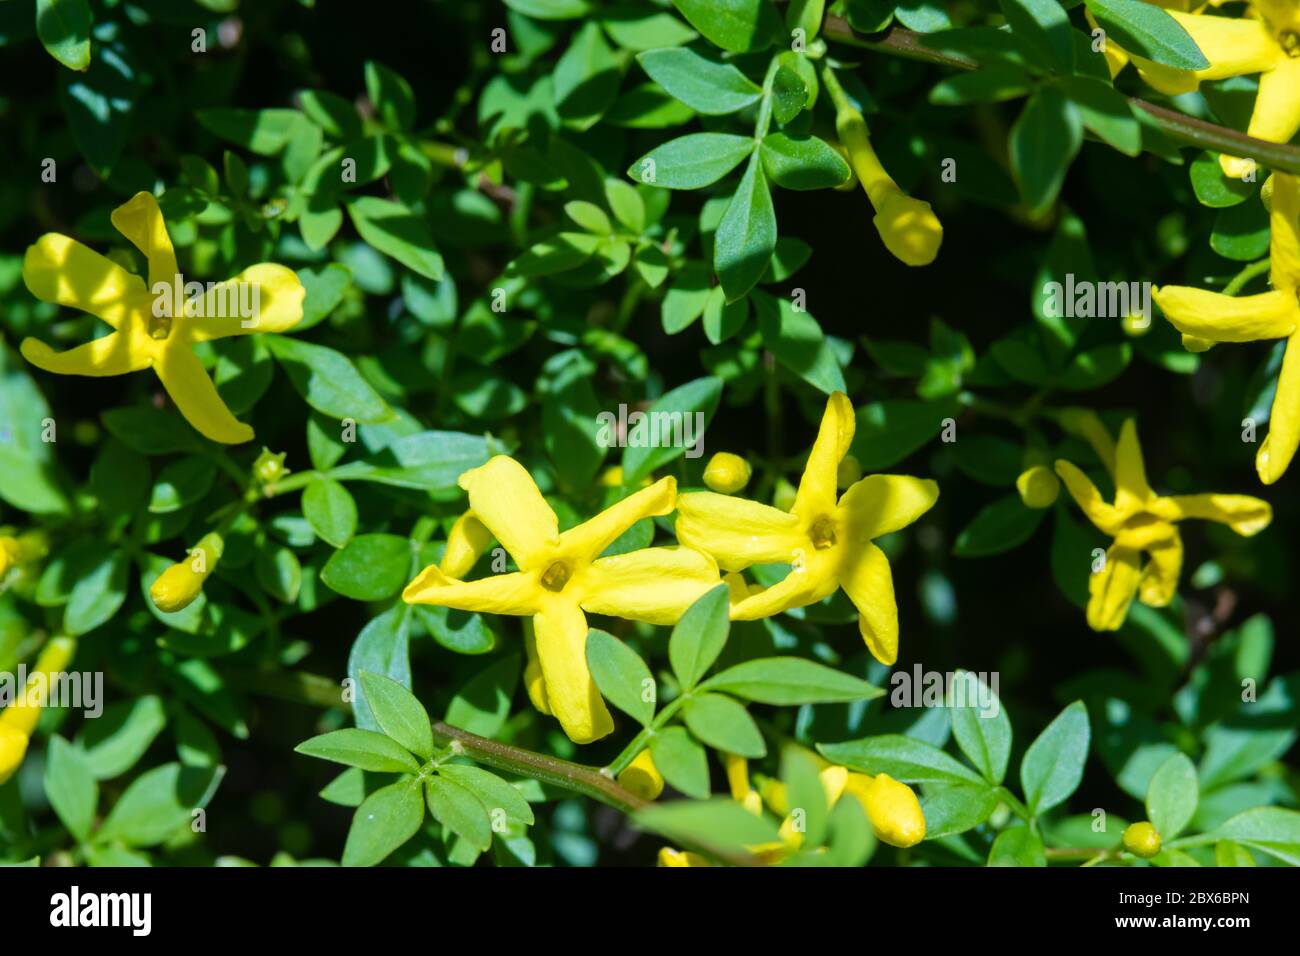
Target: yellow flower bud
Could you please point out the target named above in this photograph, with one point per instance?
(13, 747)
(612, 477)
(774, 795)
(892, 808)
(848, 473)
(1142, 839)
(181, 584)
(1235, 167)
(466, 541)
(268, 467)
(727, 473)
(642, 777)
(670, 857)
(1135, 324)
(21, 716)
(1038, 487)
(10, 554)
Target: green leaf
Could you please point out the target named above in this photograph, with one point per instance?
(1146, 30)
(990, 85)
(370, 568)
(724, 724)
(1212, 187)
(391, 96)
(330, 510)
(746, 236)
(70, 786)
(97, 595)
(328, 381)
(399, 713)
(360, 748)
(1106, 112)
(889, 431)
(699, 637)
(673, 426)
(798, 342)
(803, 162)
(64, 29)
(325, 289)
(396, 231)
(980, 725)
(332, 113)
(1271, 830)
(951, 808)
(903, 758)
(1044, 25)
(621, 675)
(458, 809)
(1018, 846)
(692, 161)
(686, 298)
(493, 792)
(180, 483)
(1053, 764)
(1044, 141)
(1241, 232)
(265, 132)
(99, 103)
(586, 78)
(589, 216)
(385, 820)
(116, 741)
(805, 793)
(999, 527)
(158, 803)
(428, 460)
(482, 704)
(735, 25)
(1172, 796)
(789, 95)
(682, 761)
(719, 824)
(704, 85)
(788, 681)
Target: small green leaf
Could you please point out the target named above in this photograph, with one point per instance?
(493, 792)
(328, 381)
(788, 681)
(391, 96)
(400, 715)
(981, 725)
(724, 724)
(903, 758)
(370, 568)
(457, 808)
(385, 820)
(1146, 30)
(1018, 846)
(735, 25)
(1044, 141)
(803, 162)
(360, 748)
(1172, 796)
(621, 675)
(746, 236)
(674, 426)
(704, 85)
(682, 761)
(699, 637)
(396, 231)
(722, 824)
(998, 527)
(64, 29)
(1053, 764)
(330, 510)
(158, 803)
(70, 786)
(692, 161)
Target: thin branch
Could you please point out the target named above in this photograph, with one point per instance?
(1183, 129)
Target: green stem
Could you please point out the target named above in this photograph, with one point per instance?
(639, 742)
(1243, 278)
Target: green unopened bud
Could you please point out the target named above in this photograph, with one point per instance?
(269, 468)
(1142, 839)
(784, 494)
(1038, 487)
(727, 473)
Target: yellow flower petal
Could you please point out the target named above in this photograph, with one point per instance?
(1088, 425)
(670, 857)
(21, 716)
(114, 354)
(811, 579)
(653, 584)
(1086, 495)
(272, 293)
(196, 398)
(1234, 47)
(1228, 318)
(1284, 235)
(505, 498)
(1242, 513)
(141, 221)
(642, 777)
(534, 682)
(880, 504)
(1276, 117)
(62, 270)
(13, 747)
(1279, 447)
(561, 631)
(1131, 488)
(737, 532)
(515, 593)
(737, 768)
(1111, 590)
(869, 583)
(466, 542)
(817, 488)
(1159, 581)
(590, 538)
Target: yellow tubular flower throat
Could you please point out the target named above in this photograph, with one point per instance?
(19, 720)
(1142, 522)
(181, 584)
(561, 577)
(61, 270)
(1206, 318)
(827, 542)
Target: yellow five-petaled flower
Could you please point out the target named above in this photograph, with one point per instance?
(562, 575)
(828, 542)
(1205, 318)
(1140, 521)
(59, 269)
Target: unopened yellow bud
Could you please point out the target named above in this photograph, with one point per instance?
(670, 857)
(21, 716)
(268, 467)
(727, 473)
(1142, 839)
(181, 584)
(774, 795)
(848, 473)
(642, 777)
(1038, 487)
(10, 554)
(909, 229)
(612, 477)
(892, 808)
(1236, 167)
(466, 541)
(13, 747)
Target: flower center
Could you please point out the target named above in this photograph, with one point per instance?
(1289, 40)
(160, 326)
(555, 577)
(1140, 521)
(822, 533)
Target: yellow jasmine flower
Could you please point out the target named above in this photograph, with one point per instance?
(154, 328)
(642, 777)
(892, 807)
(1206, 318)
(1267, 43)
(562, 575)
(1142, 839)
(1142, 522)
(727, 473)
(181, 584)
(19, 720)
(466, 542)
(827, 542)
